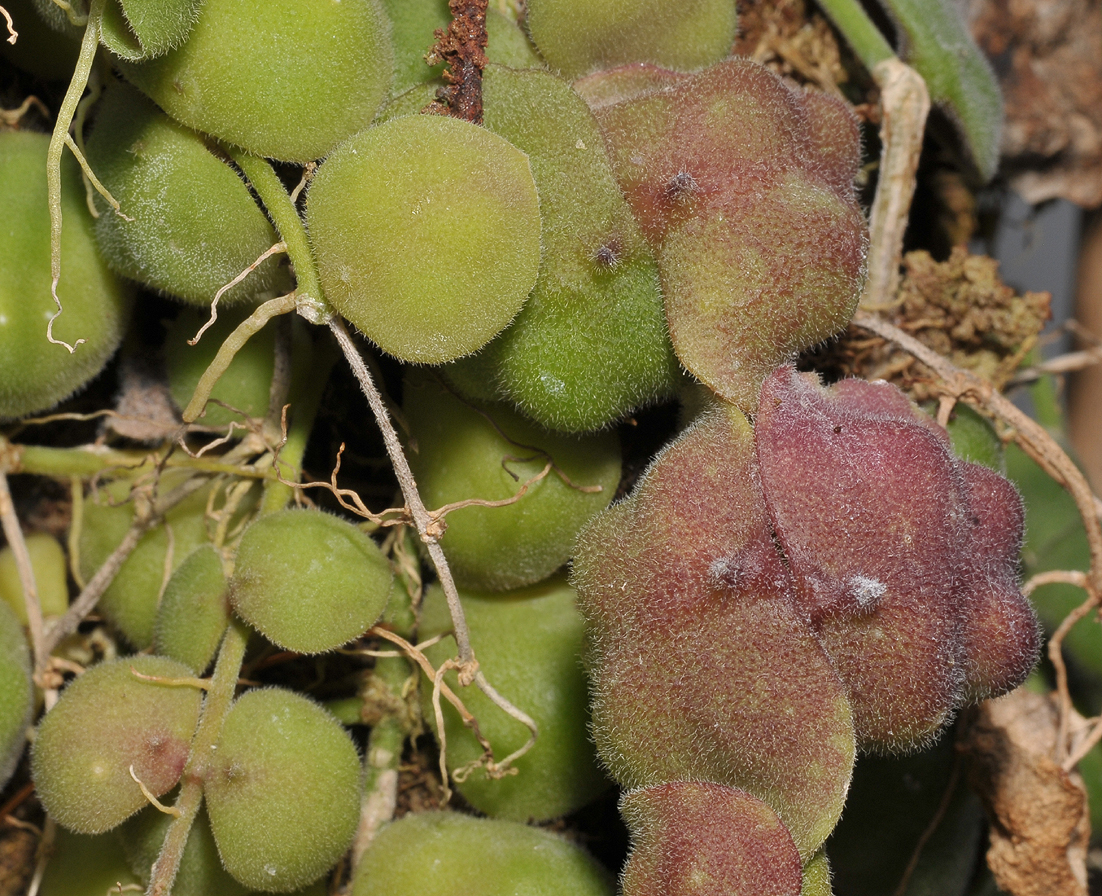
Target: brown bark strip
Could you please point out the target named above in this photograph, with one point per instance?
(462, 47)
(1040, 825)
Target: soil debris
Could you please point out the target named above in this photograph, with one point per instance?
(419, 787)
(959, 308)
(462, 47)
(791, 40)
(144, 410)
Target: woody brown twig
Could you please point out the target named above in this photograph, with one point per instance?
(462, 48)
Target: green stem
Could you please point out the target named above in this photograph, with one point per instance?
(384, 753)
(307, 387)
(13, 532)
(904, 106)
(145, 518)
(61, 463)
(388, 735)
(84, 462)
(285, 216)
(88, 46)
(858, 29)
(76, 18)
(216, 707)
(233, 344)
(292, 231)
(402, 609)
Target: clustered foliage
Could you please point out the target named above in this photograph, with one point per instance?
(832, 578)
(803, 573)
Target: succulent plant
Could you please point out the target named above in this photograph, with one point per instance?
(604, 210)
(696, 646)
(905, 558)
(194, 610)
(590, 343)
(470, 205)
(716, 166)
(577, 39)
(838, 543)
(86, 865)
(192, 225)
(48, 563)
(691, 839)
(277, 825)
(296, 105)
(462, 451)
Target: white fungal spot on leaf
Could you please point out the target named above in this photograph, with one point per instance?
(866, 591)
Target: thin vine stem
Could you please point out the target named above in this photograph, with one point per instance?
(388, 692)
(87, 461)
(216, 707)
(58, 141)
(428, 528)
(232, 345)
(289, 225)
(306, 390)
(429, 531)
(1084, 746)
(13, 532)
(75, 16)
(1055, 577)
(240, 278)
(904, 108)
(144, 520)
(381, 761)
(13, 35)
(93, 181)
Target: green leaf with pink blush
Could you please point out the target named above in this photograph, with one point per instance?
(905, 557)
(743, 185)
(701, 667)
(693, 839)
